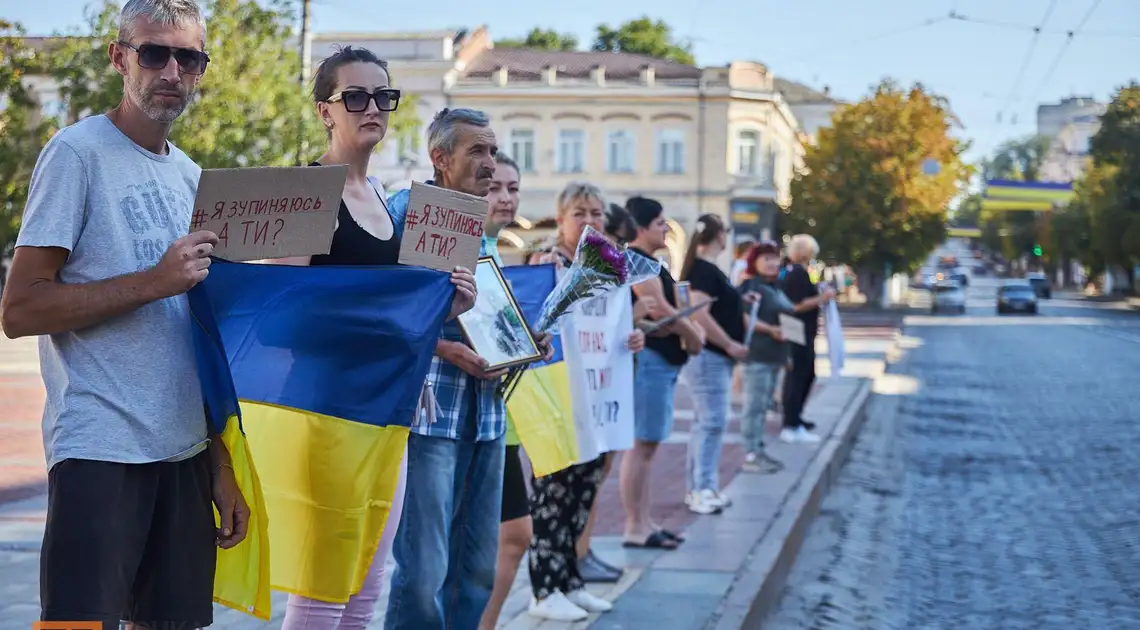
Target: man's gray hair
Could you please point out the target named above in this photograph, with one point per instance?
(442, 132)
(180, 13)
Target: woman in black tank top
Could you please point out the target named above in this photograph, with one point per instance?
(354, 99)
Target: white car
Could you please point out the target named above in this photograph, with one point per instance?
(948, 297)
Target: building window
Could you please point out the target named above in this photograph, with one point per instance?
(522, 149)
(671, 151)
(571, 149)
(747, 152)
(619, 152)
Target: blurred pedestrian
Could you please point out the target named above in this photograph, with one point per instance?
(709, 374)
(807, 298)
(767, 353)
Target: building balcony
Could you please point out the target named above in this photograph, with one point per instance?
(759, 185)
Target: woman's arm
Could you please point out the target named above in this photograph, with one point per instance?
(714, 333)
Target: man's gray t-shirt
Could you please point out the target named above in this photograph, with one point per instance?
(125, 390)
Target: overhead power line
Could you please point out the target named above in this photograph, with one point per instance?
(1028, 58)
(1065, 47)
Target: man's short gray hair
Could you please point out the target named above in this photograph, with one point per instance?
(442, 130)
(180, 13)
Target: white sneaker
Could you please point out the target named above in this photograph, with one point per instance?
(807, 437)
(702, 502)
(721, 499)
(556, 608)
(589, 602)
(788, 435)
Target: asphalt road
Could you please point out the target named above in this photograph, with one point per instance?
(995, 488)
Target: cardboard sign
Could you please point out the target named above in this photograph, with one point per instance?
(271, 212)
(443, 229)
(793, 329)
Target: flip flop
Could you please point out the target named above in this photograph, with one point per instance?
(656, 540)
(671, 536)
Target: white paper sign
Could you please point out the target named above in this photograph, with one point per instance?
(793, 329)
(834, 330)
(600, 368)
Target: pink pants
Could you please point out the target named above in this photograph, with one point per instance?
(303, 613)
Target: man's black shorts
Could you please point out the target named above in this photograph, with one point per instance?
(516, 504)
(129, 542)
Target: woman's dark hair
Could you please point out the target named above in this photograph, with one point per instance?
(324, 84)
(620, 224)
(709, 228)
(644, 210)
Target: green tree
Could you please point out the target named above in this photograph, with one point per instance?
(23, 130)
(541, 39)
(249, 110)
(864, 194)
(1017, 160)
(645, 37)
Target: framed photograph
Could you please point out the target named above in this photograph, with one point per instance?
(495, 327)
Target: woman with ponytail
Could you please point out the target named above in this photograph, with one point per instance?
(710, 373)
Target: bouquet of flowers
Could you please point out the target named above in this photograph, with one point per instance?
(599, 267)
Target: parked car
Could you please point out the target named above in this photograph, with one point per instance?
(1017, 296)
(1041, 285)
(949, 297)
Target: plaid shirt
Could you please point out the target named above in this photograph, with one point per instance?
(467, 408)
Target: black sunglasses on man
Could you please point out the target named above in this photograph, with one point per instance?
(155, 57)
(356, 101)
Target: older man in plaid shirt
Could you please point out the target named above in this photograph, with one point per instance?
(447, 542)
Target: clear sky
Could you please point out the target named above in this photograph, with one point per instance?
(986, 67)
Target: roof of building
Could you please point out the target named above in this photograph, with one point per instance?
(795, 93)
(529, 63)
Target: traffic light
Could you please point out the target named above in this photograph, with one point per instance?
(1037, 250)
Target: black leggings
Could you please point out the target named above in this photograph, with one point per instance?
(797, 383)
(559, 509)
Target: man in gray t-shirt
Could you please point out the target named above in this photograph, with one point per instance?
(100, 272)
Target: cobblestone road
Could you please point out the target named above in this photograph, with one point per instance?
(1000, 495)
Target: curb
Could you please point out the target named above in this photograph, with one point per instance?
(760, 582)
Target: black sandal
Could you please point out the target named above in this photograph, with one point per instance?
(671, 536)
(656, 540)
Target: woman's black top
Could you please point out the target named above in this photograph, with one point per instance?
(728, 309)
(353, 245)
(668, 346)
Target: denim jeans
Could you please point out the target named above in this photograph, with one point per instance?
(710, 376)
(759, 386)
(448, 540)
(655, 381)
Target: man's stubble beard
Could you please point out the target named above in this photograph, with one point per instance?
(143, 99)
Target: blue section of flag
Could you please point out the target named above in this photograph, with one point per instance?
(530, 285)
(350, 342)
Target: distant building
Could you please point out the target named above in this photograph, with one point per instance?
(1070, 126)
(813, 108)
(1052, 118)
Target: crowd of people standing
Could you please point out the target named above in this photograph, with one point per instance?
(135, 475)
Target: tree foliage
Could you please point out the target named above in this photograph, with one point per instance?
(541, 39)
(863, 193)
(23, 131)
(1017, 160)
(644, 36)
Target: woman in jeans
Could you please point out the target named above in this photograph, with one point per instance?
(562, 500)
(767, 352)
(709, 374)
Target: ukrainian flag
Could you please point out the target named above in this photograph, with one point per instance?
(541, 407)
(327, 367)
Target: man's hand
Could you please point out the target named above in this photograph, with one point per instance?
(544, 344)
(464, 358)
(636, 341)
(231, 506)
(185, 263)
(465, 292)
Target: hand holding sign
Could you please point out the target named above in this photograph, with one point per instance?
(185, 263)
